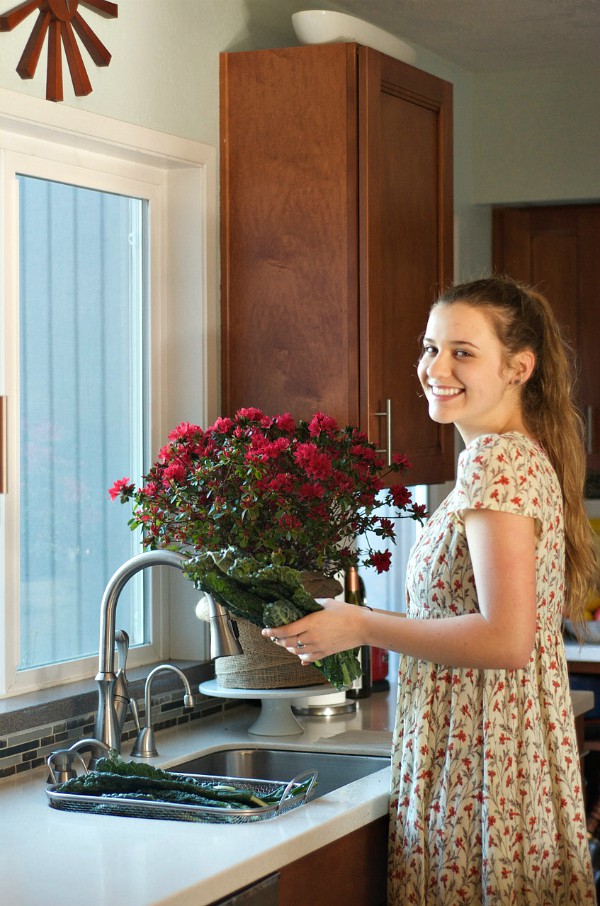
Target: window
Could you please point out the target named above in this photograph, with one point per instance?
(83, 316)
(108, 341)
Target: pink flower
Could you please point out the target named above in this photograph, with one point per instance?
(285, 423)
(175, 472)
(281, 482)
(322, 424)
(381, 560)
(344, 483)
(401, 496)
(149, 490)
(121, 488)
(312, 461)
(263, 449)
(183, 431)
(165, 453)
(252, 414)
(401, 461)
(366, 453)
(387, 527)
(290, 522)
(311, 491)
(222, 426)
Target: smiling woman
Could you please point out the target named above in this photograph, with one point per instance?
(484, 743)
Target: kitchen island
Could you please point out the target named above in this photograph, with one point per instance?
(54, 856)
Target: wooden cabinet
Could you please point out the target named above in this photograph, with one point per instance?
(555, 248)
(336, 234)
(351, 871)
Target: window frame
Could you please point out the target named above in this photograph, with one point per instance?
(179, 177)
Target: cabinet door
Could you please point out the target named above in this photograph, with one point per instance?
(289, 297)
(405, 152)
(352, 871)
(555, 248)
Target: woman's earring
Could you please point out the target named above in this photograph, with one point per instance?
(517, 381)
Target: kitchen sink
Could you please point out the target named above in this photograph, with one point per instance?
(335, 770)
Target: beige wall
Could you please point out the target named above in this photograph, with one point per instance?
(537, 136)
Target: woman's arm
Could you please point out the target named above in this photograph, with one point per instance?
(501, 635)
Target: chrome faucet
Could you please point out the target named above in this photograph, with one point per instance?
(145, 746)
(113, 693)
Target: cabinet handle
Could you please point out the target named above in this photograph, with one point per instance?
(589, 429)
(388, 431)
(3, 442)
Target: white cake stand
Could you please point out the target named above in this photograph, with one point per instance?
(276, 717)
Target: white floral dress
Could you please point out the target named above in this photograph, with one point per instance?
(487, 805)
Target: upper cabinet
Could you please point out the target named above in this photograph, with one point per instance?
(555, 248)
(336, 234)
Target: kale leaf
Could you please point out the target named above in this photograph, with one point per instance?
(266, 596)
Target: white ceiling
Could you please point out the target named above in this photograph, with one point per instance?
(489, 34)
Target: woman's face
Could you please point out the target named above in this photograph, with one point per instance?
(464, 373)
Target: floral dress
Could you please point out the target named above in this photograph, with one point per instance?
(487, 804)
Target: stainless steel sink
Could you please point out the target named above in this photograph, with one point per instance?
(335, 770)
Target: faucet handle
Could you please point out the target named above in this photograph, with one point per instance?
(135, 713)
(122, 643)
(121, 694)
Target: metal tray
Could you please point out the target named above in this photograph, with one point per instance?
(171, 811)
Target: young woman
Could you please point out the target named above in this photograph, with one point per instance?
(487, 804)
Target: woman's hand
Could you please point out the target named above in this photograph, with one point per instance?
(338, 627)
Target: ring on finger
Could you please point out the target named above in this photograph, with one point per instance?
(299, 644)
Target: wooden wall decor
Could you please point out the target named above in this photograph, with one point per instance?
(62, 23)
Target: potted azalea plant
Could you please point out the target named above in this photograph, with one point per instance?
(259, 502)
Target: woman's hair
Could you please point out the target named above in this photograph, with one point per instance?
(523, 319)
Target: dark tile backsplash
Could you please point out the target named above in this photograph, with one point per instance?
(32, 728)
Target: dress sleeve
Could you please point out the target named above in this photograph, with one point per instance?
(500, 472)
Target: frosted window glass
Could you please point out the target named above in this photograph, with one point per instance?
(82, 288)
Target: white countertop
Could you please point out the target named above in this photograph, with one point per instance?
(51, 856)
(576, 652)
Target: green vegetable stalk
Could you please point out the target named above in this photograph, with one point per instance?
(266, 596)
